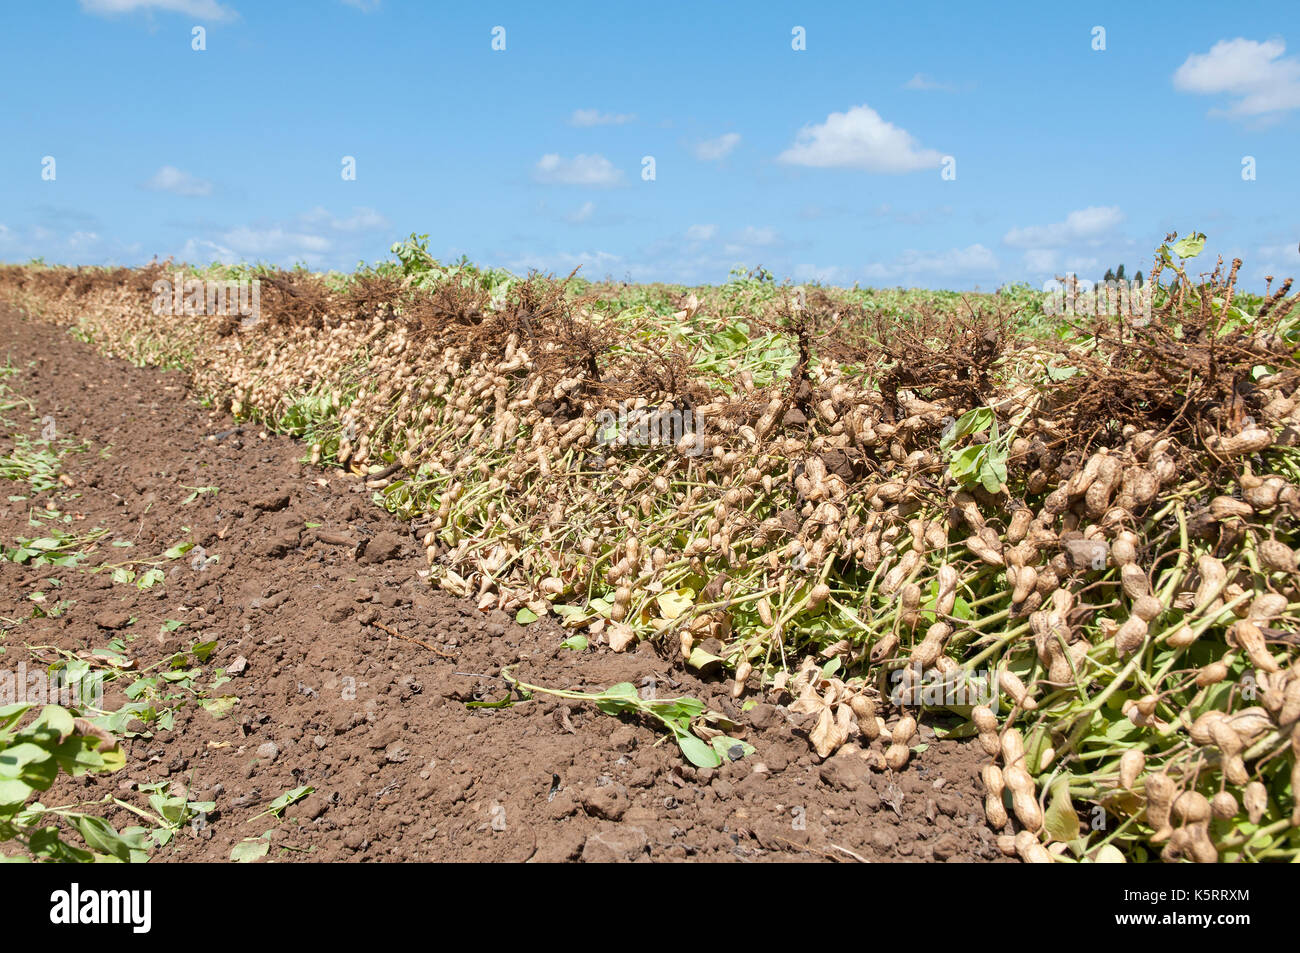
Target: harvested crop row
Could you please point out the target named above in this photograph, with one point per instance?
(1104, 583)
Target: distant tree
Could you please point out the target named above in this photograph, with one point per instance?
(1119, 273)
(1138, 277)
(1110, 275)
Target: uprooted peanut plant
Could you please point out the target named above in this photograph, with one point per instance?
(1076, 533)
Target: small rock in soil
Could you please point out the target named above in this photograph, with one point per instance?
(383, 547)
(608, 802)
(883, 839)
(272, 503)
(846, 771)
(112, 619)
(614, 847)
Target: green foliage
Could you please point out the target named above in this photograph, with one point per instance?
(31, 758)
(731, 347)
(277, 807)
(983, 462)
(1189, 247)
(59, 548)
(421, 270)
(674, 714)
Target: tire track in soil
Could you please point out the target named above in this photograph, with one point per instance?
(334, 696)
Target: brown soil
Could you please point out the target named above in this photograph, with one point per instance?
(338, 693)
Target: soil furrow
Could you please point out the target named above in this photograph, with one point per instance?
(348, 668)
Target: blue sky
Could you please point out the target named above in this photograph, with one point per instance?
(821, 163)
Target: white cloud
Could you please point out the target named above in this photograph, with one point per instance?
(758, 237)
(593, 170)
(1280, 261)
(274, 241)
(1083, 225)
(582, 213)
(594, 117)
(593, 264)
(1041, 260)
(1271, 252)
(973, 261)
(317, 237)
(201, 9)
(927, 84)
(362, 219)
(173, 180)
(701, 233)
(859, 139)
(1257, 77)
(76, 246)
(1049, 261)
(201, 251)
(822, 274)
(711, 150)
(918, 216)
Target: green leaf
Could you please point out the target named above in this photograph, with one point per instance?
(57, 719)
(1191, 246)
(618, 698)
(9, 714)
(184, 675)
(972, 422)
(247, 851)
(1058, 374)
(220, 707)
(700, 659)
(284, 800)
(965, 462)
(525, 616)
(151, 577)
(678, 711)
(179, 550)
(676, 602)
(1060, 820)
(993, 471)
(14, 793)
(576, 643)
(696, 751)
(102, 837)
(731, 749)
(79, 754)
(1109, 854)
(46, 843)
(27, 760)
